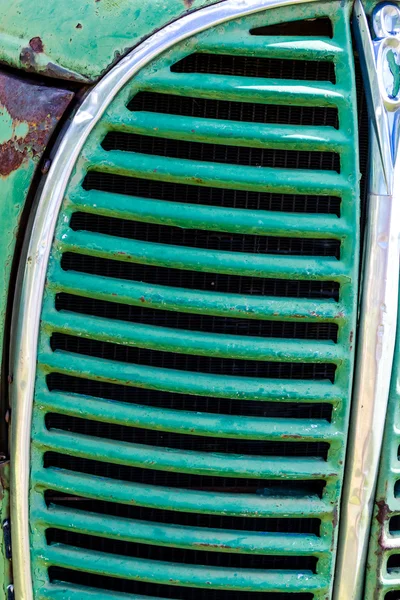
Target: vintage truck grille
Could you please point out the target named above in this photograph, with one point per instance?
(196, 346)
(383, 569)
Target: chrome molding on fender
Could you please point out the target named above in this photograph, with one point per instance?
(380, 59)
(27, 313)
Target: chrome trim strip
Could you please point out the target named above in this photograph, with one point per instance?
(378, 321)
(28, 313)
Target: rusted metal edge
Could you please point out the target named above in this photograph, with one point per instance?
(33, 111)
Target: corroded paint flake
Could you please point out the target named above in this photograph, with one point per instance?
(33, 111)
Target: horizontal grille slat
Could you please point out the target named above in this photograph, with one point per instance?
(190, 557)
(219, 153)
(204, 364)
(179, 441)
(211, 240)
(319, 116)
(299, 526)
(217, 282)
(208, 196)
(293, 488)
(57, 592)
(195, 322)
(163, 399)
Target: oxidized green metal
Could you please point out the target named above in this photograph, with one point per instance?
(231, 38)
(80, 40)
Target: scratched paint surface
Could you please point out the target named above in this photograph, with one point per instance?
(28, 115)
(80, 40)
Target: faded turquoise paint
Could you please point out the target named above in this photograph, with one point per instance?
(80, 40)
(231, 38)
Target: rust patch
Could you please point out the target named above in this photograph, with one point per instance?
(188, 3)
(29, 63)
(36, 44)
(79, 26)
(37, 107)
(383, 511)
(335, 517)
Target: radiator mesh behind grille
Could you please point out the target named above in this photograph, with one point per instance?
(196, 342)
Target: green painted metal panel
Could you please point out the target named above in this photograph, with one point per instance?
(80, 40)
(29, 114)
(181, 461)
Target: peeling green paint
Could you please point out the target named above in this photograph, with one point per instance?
(28, 115)
(80, 40)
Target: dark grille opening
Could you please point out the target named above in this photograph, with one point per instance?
(363, 141)
(397, 489)
(180, 555)
(256, 66)
(189, 481)
(395, 595)
(320, 27)
(205, 239)
(207, 404)
(210, 196)
(184, 441)
(216, 282)
(189, 362)
(195, 322)
(221, 153)
(393, 563)
(164, 591)
(300, 526)
(394, 524)
(227, 110)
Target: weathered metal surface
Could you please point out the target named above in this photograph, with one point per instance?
(80, 40)
(28, 115)
(148, 68)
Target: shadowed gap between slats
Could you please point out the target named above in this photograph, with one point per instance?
(197, 280)
(191, 362)
(196, 322)
(256, 66)
(185, 441)
(394, 524)
(293, 526)
(203, 238)
(320, 27)
(168, 592)
(188, 402)
(221, 153)
(229, 110)
(181, 555)
(211, 196)
(302, 489)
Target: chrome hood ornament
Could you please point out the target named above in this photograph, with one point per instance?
(379, 50)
